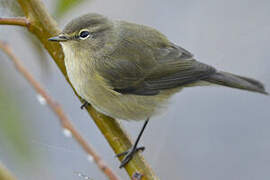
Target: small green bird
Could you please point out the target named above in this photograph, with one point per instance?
(128, 71)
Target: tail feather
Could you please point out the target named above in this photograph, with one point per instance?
(235, 81)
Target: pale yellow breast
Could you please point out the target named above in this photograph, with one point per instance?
(94, 89)
(78, 71)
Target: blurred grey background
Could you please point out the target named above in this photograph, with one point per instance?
(208, 133)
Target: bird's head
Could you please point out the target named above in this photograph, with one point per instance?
(85, 32)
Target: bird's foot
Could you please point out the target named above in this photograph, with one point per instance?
(85, 103)
(129, 155)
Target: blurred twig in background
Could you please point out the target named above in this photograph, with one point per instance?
(10, 7)
(65, 122)
(5, 174)
(64, 6)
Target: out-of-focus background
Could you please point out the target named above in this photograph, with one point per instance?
(208, 133)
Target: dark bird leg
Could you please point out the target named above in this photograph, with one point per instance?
(85, 103)
(130, 153)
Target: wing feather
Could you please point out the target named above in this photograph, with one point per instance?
(145, 66)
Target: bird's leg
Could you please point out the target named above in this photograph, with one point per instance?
(85, 103)
(130, 153)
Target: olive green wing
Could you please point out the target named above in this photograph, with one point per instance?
(167, 68)
(176, 73)
(145, 63)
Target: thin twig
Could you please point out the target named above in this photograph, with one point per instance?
(65, 122)
(17, 21)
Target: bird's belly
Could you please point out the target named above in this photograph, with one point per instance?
(128, 107)
(114, 104)
(90, 87)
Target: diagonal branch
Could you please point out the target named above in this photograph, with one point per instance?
(57, 109)
(17, 21)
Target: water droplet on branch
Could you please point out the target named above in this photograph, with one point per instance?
(67, 133)
(41, 100)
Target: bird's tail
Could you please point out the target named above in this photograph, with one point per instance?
(235, 81)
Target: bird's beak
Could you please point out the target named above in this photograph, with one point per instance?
(59, 38)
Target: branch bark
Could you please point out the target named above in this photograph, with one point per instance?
(43, 26)
(57, 109)
(17, 21)
(5, 174)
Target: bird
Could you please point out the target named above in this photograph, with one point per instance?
(129, 71)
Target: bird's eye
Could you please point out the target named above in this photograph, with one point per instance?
(84, 34)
